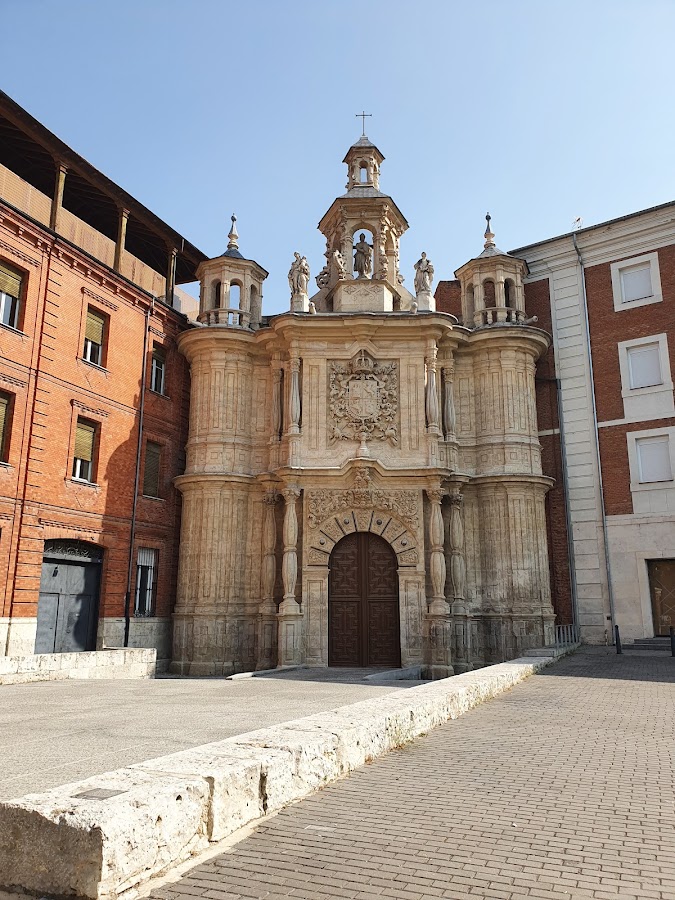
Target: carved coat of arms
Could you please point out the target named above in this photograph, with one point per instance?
(363, 400)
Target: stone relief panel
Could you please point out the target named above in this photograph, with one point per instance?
(363, 400)
(393, 514)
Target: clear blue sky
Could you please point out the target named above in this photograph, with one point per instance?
(536, 111)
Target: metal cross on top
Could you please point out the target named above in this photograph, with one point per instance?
(364, 116)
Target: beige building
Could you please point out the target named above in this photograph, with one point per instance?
(363, 484)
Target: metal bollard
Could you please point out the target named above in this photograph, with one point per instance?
(672, 640)
(618, 639)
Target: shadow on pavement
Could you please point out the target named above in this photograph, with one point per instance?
(605, 662)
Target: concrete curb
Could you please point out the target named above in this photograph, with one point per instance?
(104, 836)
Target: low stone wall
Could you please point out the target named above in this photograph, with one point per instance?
(104, 836)
(60, 666)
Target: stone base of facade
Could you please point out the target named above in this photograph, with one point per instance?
(213, 645)
(17, 636)
(147, 633)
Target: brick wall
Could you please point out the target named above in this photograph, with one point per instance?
(608, 328)
(538, 303)
(42, 367)
(449, 298)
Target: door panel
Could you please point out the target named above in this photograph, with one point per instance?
(45, 635)
(662, 589)
(363, 607)
(67, 607)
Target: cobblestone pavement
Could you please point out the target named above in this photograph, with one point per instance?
(562, 787)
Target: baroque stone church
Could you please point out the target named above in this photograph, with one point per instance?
(363, 483)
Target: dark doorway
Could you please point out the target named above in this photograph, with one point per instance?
(662, 589)
(67, 616)
(363, 611)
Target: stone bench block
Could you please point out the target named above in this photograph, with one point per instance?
(130, 826)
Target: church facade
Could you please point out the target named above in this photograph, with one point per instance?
(363, 482)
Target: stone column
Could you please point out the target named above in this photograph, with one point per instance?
(294, 396)
(461, 630)
(267, 612)
(438, 623)
(432, 395)
(449, 417)
(290, 616)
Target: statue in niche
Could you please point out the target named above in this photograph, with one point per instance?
(298, 275)
(424, 275)
(363, 257)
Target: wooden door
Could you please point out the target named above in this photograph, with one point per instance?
(363, 608)
(662, 589)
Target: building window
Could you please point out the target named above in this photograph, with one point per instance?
(653, 454)
(11, 284)
(93, 337)
(636, 282)
(157, 370)
(83, 461)
(5, 422)
(151, 470)
(146, 582)
(644, 366)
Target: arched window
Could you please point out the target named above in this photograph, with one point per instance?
(489, 293)
(509, 294)
(363, 174)
(235, 295)
(216, 295)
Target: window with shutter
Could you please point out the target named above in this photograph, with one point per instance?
(157, 370)
(151, 471)
(636, 283)
(11, 284)
(654, 459)
(5, 401)
(93, 337)
(83, 456)
(146, 582)
(644, 365)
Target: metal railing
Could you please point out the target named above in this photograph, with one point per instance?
(566, 634)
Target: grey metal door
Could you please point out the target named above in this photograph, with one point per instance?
(68, 604)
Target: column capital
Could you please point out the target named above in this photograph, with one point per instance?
(290, 493)
(435, 495)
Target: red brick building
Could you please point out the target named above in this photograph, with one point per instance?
(89, 517)
(607, 419)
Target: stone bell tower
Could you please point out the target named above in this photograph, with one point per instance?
(231, 287)
(362, 275)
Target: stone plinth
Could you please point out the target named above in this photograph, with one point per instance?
(363, 295)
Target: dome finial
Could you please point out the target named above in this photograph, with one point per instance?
(489, 235)
(233, 236)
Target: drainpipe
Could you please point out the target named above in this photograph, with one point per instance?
(605, 537)
(137, 476)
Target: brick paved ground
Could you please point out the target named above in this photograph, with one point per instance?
(561, 788)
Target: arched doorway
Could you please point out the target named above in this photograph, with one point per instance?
(67, 616)
(363, 608)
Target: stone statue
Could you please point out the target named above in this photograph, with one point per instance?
(339, 264)
(424, 275)
(323, 278)
(363, 257)
(298, 275)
